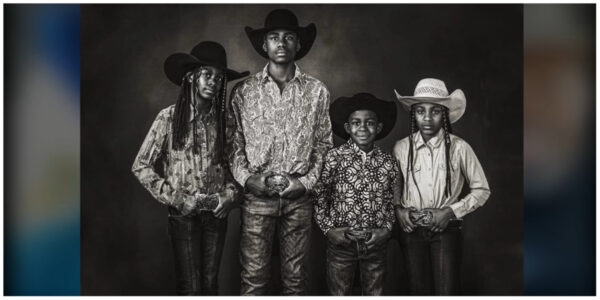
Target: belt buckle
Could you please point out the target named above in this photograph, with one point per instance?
(422, 218)
(359, 237)
(276, 183)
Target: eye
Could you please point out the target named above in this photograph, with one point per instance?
(370, 123)
(420, 111)
(437, 111)
(355, 123)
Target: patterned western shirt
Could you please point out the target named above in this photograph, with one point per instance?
(430, 174)
(284, 131)
(357, 189)
(185, 172)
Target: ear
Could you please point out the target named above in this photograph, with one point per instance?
(379, 127)
(264, 46)
(347, 127)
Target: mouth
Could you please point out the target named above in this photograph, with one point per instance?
(427, 127)
(209, 91)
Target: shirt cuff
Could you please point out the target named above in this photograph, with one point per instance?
(242, 177)
(306, 182)
(457, 209)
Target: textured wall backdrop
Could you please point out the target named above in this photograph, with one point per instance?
(374, 48)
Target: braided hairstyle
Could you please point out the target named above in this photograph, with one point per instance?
(447, 127)
(182, 111)
(447, 142)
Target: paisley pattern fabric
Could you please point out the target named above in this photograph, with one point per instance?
(357, 189)
(185, 172)
(284, 131)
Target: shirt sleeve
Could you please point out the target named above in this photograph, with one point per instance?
(396, 185)
(324, 142)
(478, 185)
(236, 143)
(151, 150)
(322, 195)
(400, 155)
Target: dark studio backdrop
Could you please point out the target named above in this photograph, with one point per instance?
(125, 248)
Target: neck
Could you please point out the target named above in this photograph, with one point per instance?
(282, 72)
(203, 105)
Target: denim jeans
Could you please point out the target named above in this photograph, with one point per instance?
(256, 245)
(341, 266)
(433, 260)
(197, 246)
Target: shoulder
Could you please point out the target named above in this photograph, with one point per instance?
(401, 146)
(248, 82)
(459, 144)
(166, 114)
(386, 156)
(315, 84)
(335, 153)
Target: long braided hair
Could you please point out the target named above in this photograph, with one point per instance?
(447, 127)
(186, 99)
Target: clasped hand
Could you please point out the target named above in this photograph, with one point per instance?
(257, 186)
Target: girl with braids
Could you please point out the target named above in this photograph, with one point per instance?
(435, 164)
(187, 138)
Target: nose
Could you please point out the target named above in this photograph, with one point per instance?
(427, 116)
(280, 44)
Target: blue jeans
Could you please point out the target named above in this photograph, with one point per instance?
(294, 227)
(197, 246)
(342, 262)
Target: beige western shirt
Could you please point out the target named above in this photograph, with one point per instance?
(430, 174)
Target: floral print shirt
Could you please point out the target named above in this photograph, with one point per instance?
(183, 172)
(357, 189)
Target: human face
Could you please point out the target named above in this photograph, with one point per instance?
(281, 45)
(208, 82)
(429, 119)
(363, 126)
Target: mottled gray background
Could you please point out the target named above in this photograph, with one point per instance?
(374, 48)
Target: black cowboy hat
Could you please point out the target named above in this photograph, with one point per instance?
(283, 19)
(342, 107)
(206, 53)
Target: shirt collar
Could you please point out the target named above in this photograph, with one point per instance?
(434, 142)
(355, 149)
(298, 75)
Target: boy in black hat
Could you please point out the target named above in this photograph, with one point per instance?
(187, 138)
(355, 195)
(280, 131)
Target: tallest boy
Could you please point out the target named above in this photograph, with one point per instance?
(279, 131)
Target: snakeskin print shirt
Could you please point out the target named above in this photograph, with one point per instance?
(284, 131)
(185, 172)
(357, 189)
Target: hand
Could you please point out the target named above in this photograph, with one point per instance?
(256, 184)
(441, 217)
(188, 205)
(404, 219)
(294, 189)
(336, 236)
(226, 203)
(378, 238)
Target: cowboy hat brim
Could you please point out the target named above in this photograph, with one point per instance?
(178, 64)
(341, 108)
(306, 35)
(455, 102)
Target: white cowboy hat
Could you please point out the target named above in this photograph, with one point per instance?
(431, 90)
